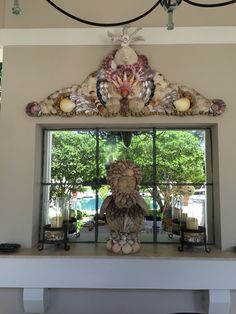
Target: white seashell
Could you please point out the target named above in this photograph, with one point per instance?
(136, 247)
(66, 105)
(113, 105)
(54, 95)
(109, 245)
(127, 249)
(74, 88)
(65, 90)
(136, 104)
(182, 104)
(116, 248)
(49, 102)
(44, 107)
(122, 242)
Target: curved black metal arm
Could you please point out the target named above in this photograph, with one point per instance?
(165, 3)
(103, 24)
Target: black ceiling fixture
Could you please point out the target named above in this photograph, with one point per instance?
(168, 5)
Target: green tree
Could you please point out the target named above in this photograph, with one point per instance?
(72, 161)
(179, 158)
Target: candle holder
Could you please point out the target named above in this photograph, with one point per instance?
(55, 235)
(193, 237)
(178, 220)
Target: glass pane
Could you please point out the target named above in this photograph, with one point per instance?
(128, 145)
(103, 229)
(84, 208)
(72, 165)
(147, 230)
(76, 165)
(181, 170)
(73, 159)
(180, 156)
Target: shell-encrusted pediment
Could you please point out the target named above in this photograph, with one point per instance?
(126, 85)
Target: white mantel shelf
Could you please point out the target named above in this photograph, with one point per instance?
(155, 267)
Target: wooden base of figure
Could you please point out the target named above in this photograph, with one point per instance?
(123, 243)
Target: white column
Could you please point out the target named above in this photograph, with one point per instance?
(219, 302)
(34, 300)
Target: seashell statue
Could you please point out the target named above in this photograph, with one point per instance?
(125, 208)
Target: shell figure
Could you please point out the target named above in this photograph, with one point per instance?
(125, 208)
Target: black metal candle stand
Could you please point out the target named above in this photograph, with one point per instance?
(192, 237)
(55, 235)
(176, 226)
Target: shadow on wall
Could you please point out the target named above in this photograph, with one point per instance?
(107, 301)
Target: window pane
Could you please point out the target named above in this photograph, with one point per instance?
(103, 229)
(73, 158)
(180, 156)
(181, 177)
(174, 186)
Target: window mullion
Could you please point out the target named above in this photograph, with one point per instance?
(154, 188)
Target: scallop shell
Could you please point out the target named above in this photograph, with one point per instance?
(127, 249)
(116, 248)
(136, 104)
(136, 247)
(66, 105)
(109, 245)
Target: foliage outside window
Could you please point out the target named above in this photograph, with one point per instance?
(173, 163)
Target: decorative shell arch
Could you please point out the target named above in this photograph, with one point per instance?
(126, 85)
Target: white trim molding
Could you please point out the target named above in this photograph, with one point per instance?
(35, 274)
(98, 36)
(35, 300)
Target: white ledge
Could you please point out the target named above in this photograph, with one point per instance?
(117, 273)
(98, 36)
(154, 267)
(98, 268)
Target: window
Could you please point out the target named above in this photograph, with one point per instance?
(177, 178)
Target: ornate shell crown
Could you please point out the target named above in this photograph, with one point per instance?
(126, 85)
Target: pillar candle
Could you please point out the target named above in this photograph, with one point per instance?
(192, 223)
